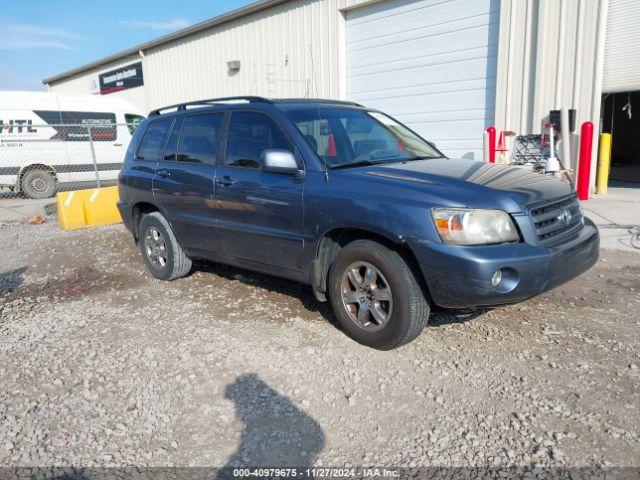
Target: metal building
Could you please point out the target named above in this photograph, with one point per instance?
(447, 68)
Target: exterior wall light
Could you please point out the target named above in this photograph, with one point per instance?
(234, 66)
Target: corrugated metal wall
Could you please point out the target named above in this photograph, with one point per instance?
(278, 48)
(622, 47)
(550, 57)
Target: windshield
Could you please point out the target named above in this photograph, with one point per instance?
(344, 137)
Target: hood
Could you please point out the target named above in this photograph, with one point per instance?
(521, 185)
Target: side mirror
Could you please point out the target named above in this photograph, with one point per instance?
(279, 161)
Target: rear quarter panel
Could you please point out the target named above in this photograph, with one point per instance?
(135, 181)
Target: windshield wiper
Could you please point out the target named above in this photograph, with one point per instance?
(360, 163)
(421, 157)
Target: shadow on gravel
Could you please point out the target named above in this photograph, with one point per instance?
(271, 284)
(11, 280)
(439, 316)
(73, 284)
(442, 316)
(276, 432)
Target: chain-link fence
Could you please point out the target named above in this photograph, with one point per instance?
(36, 161)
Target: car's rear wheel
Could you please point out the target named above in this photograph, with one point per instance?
(160, 249)
(376, 296)
(38, 183)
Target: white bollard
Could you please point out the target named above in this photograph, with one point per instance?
(485, 146)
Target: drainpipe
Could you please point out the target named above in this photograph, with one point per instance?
(565, 135)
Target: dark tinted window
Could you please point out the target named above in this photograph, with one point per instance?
(249, 134)
(152, 144)
(172, 141)
(102, 125)
(199, 138)
(132, 120)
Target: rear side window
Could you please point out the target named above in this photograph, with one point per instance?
(132, 120)
(170, 151)
(199, 138)
(134, 143)
(250, 133)
(152, 144)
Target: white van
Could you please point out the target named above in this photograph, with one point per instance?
(44, 139)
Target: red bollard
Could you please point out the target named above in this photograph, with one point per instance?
(584, 164)
(492, 144)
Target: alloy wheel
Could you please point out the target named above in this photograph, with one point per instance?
(366, 296)
(155, 247)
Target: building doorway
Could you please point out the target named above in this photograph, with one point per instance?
(621, 118)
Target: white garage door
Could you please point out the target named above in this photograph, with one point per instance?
(622, 47)
(429, 63)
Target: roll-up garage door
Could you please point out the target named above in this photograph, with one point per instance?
(429, 63)
(622, 47)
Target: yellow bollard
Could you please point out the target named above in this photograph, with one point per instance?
(604, 163)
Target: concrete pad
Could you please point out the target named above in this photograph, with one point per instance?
(615, 213)
(17, 208)
(9, 215)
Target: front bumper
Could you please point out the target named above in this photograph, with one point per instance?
(460, 276)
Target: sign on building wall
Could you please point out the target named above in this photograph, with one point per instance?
(122, 78)
(94, 85)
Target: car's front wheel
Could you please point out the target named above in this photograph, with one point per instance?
(376, 296)
(160, 249)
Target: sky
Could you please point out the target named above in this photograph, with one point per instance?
(41, 38)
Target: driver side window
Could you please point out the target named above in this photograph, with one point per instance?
(250, 133)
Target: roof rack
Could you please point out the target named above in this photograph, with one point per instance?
(314, 100)
(250, 99)
(208, 101)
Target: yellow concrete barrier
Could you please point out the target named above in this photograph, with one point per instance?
(88, 208)
(604, 163)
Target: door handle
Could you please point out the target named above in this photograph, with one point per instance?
(163, 172)
(225, 181)
(117, 144)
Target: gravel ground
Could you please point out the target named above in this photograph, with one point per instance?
(102, 365)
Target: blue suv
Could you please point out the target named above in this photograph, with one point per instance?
(350, 201)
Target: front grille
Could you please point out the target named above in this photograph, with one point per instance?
(555, 220)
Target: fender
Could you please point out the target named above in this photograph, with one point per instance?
(363, 226)
(144, 207)
(325, 252)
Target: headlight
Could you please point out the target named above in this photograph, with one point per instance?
(463, 226)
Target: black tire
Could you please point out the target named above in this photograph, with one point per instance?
(408, 312)
(38, 183)
(176, 263)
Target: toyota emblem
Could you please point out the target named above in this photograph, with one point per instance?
(565, 216)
